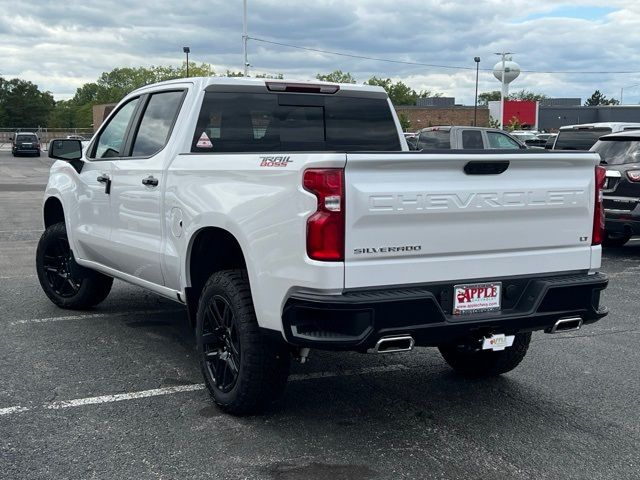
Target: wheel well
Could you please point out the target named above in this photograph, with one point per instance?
(53, 212)
(213, 249)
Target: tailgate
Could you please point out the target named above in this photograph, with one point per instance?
(419, 218)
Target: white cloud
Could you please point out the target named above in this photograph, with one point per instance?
(60, 46)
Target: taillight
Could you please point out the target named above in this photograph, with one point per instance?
(598, 211)
(325, 228)
(633, 175)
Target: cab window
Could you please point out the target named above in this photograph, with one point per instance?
(157, 121)
(111, 140)
(472, 139)
(501, 141)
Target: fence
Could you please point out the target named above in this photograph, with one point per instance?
(44, 134)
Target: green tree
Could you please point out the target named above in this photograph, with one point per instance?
(514, 124)
(405, 123)
(275, 76)
(63, 115)
(485, 97)
(23, 104)
(337, 76)
(399, 93)
(527, 95)
(598, 98)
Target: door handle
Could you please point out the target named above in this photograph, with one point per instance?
(150, 181)
(104, 178)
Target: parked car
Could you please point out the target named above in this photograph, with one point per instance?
(412, 140)
(545, 136)
(550, 141)
(463, 138)
(620, 154)
(76, 137)
(530, 139)
(25, 143)
(320, 230)
(584, 136)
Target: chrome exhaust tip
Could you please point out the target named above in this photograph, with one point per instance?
(394, 344)
(566, 325)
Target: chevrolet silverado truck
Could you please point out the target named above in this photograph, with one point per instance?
(292, 216)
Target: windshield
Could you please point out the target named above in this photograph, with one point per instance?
(25, 138)
(579, 139)
(617, 152)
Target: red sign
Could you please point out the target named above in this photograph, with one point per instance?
(525, 111)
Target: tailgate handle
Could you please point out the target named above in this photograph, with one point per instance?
(486, 168)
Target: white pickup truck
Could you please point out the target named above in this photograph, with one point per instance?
(291, 216)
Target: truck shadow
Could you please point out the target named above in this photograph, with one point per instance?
(631, 249)
(429, 414)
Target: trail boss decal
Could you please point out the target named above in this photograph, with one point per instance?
(275, 161)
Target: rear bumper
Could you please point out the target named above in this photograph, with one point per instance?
(355, 320)
(623, 221)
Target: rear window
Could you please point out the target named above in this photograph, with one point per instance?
(264, 122)
(579, 139)
(26, 138)
(434, 139)
(617, 152)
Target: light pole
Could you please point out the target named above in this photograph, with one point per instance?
(475, 106)
(245, 37)
(187, 50)
(622, 90)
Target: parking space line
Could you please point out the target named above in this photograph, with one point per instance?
(16, 409)
(92, 315)
(119, 397)
(124, 396)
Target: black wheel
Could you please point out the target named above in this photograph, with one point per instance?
(243, 369)
(469, 361)
(615, 239)
(66, 283)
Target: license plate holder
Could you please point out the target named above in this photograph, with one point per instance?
(477, 298)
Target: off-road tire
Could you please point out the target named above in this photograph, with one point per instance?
(474, 363)
(615, 241)
(263, 361)
(92, 287)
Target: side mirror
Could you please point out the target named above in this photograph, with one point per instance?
(65, 149)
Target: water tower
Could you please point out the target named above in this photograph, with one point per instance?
(506, 71)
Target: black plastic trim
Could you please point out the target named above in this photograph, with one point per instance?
(355, 320)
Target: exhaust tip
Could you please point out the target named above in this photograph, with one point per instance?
(566, 325)
(395, 344)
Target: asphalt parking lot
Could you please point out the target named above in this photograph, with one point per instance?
(116, 392)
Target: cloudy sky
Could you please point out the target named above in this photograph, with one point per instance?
(60, 45)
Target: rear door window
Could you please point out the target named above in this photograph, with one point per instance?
(157, 122)
(472, 139)
(434, 139)
(241, 122)
(579, 139)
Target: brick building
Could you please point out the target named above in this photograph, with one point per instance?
(421, 117)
